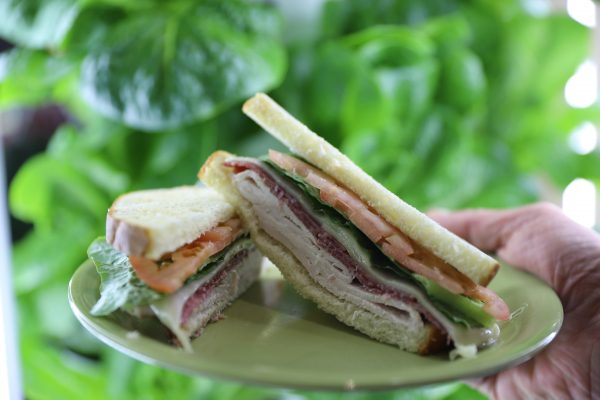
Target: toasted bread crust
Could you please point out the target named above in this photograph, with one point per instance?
(128, 238)
(436, 341)
(422, 340)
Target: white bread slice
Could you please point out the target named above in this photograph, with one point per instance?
(151, 223)
(466, 258)
(425, 339)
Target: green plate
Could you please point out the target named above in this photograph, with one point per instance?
(271, 336)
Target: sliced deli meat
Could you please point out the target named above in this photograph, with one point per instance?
(190, 308)
(338, 264)
(392, 242)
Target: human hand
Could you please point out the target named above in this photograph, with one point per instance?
(542, 240)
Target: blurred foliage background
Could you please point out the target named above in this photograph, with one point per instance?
(448, 103)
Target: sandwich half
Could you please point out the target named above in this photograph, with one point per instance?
(181, 254)
(353, 247)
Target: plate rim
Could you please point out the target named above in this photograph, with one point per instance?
(118, 341)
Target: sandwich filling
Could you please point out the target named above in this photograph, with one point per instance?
(186, 289)
(354, 264)
(388, 238)
(170, 272)
(189, 309)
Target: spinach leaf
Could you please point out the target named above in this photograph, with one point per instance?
(168, 67)
(36, 23)
(120, 286)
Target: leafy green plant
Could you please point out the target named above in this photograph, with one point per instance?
(463, 100)
(188, 61)
(448, 103)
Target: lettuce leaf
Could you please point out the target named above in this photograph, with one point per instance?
(459, 309)
(119, 287)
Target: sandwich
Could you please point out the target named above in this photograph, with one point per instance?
(355, 249)
(180, 254)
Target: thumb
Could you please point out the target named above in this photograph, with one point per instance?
(531, 237)
(486, 229)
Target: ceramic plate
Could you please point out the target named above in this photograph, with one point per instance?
(271, 336)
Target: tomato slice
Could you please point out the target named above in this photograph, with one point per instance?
(168, 274)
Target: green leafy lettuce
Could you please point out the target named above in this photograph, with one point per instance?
(459, 309)
(120, 286)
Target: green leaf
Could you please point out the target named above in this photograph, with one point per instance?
(402, 70)
(45, 187)
(49, 370)
(165, 68)
(343, 17)
(459, 308)
(334, 68)
(52, 309)
(255, 145)
(51, 374)
(31, 76)
(449, 32)
(462, 82)
(94, 22)
(36, 23)
(365, 94)
(435, 392)
(176, 157)
(42, 256)
(119, 285)
(68, 142)
(465, 392)
(130, 379)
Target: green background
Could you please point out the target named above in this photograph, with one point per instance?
(448, 103)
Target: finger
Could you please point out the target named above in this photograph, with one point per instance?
(486, 229)
(538, 238)
(524, 237)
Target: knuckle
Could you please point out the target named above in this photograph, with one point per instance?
(542, 208)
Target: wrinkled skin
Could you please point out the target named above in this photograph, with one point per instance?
(542, 240)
